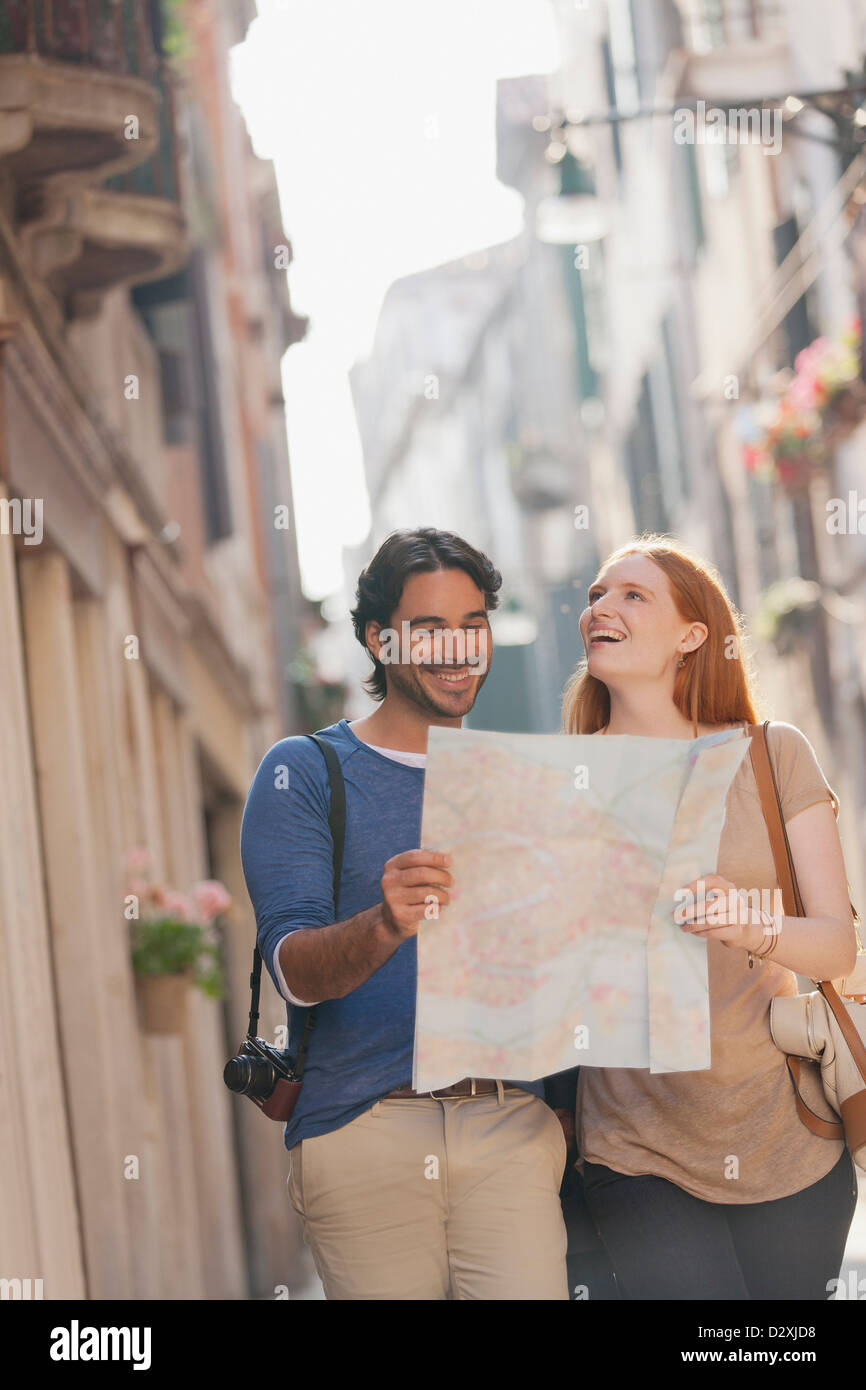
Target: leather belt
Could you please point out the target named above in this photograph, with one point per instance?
(469, 1086)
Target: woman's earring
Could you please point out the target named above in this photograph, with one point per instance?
(682, 661)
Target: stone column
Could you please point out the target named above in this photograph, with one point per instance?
(217, 1176)
(168, 1082)
(40, 1233)
(94, 1075)
(111, 778)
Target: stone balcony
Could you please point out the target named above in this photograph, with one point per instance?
(72, 73)
(742, 51)
(99, 238)
(84, 99)
(67, 120)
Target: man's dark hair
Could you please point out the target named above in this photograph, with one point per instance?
(400, 555)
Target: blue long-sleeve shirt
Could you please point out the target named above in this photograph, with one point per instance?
(361, 1046)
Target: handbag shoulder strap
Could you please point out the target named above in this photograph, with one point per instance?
(772, 808)
(337, 823)
(787, 877)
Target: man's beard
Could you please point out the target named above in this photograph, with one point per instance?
(412, 688)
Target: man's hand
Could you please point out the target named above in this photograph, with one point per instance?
(329, 962)
(408, 881)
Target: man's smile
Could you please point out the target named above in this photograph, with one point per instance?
(450, 680)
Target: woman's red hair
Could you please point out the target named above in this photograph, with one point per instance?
(716, 685)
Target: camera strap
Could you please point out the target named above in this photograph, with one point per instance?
(337, 822)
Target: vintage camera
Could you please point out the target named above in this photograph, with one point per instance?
(266, 1075)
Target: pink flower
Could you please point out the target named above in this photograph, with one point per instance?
(211, 899)
(803, 391)
(751, 457)
(139, 861)
(177, 905)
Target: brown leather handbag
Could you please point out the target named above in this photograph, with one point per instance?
(817, 1028)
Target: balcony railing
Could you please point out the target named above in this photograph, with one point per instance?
(715, 24)
(735, 50)
(159, 176)
(116, 36)
(112, 35)
(70, 72)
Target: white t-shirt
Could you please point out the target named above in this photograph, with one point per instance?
(411, 760)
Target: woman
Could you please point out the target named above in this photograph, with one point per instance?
(706, 1185)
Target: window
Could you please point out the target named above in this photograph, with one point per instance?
(584, 349)
(798, 331)
(642, 463)
(616, 143)
(720, 163)
(706, 24)
(621, 76)
(624, 70)
(211, 450)
(663, 382)
(687, 196)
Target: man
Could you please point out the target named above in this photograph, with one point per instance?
(403, 1196)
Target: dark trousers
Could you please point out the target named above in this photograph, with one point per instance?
(663, 1243)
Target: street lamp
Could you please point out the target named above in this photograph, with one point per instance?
(574, 215)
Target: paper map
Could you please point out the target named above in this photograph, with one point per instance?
(567, 852)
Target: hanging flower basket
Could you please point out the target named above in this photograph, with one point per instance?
(162, 1001)
(845, 412)
(173, 944)
(789, 436)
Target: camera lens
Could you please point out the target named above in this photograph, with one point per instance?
(236, 1074)
(250, 1076)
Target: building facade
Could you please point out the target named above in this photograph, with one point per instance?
(721, 260)
(149, 609)
(664, 286)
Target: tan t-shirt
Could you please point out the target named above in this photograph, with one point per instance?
(698, 1129)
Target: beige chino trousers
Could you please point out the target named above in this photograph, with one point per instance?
(437, 1199)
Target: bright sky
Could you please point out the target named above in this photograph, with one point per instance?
(380, 118)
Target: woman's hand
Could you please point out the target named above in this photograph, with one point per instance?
(718, 911)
